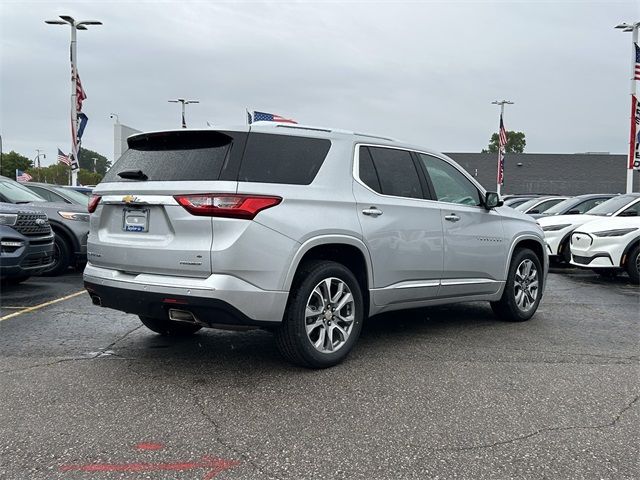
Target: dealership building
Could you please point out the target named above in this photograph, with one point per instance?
(559, 173)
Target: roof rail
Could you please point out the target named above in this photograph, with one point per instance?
(375, 136)
(302, 127)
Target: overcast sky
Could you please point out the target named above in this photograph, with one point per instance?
(421, 71)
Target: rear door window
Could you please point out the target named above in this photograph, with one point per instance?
(366, 170)
(397, 172)
(287, 159)
(180, 156)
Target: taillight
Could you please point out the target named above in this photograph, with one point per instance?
(94, 200)
(224, 205)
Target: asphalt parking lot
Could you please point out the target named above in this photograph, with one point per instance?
(442, 393)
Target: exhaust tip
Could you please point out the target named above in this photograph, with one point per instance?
(181, 316)
(96, 300)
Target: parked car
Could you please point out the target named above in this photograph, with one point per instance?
(558, 228)
(514, 200)
(539, 205)
(57, 193)
(301, 230)
(85, 190)
(26, 242)
(70, 224)
(608, 246)
(575, 205)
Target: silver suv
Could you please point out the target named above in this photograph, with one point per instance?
(303, 231)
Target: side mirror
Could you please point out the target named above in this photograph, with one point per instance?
(492, 200)
(628, 213)
(573, 212)
(535, 210)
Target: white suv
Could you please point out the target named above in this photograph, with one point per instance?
(301, 230)
(608, 246)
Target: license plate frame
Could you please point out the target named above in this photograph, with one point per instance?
(135, 220)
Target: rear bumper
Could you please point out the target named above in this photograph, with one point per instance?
(218, 299)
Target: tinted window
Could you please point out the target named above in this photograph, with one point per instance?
(367, 171)
(282, 159)
(588, 204)
(450, 184)
(632, 211)
(178, 156)
(76, 197)
(46, 194)
(545, 205)
(397, 173)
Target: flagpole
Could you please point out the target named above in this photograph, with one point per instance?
(634, 106)
(499, 180)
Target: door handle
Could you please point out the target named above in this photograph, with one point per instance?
(452, 217)
(372, 212)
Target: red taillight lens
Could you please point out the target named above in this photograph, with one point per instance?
(223, 205)
(94, 200)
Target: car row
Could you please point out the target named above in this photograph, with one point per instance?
(67, 215)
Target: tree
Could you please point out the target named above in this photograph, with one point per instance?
(102, 164)
(515, 143)
(57, 174)
(85, 177)
(12, 161)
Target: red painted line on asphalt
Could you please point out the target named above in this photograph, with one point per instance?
(149, 446)
(213, 465)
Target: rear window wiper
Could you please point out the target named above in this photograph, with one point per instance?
(133, 175)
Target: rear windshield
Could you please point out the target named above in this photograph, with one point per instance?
(175, 156)
(272, 158)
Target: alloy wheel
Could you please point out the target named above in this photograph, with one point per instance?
(526, 285)
(329, 315)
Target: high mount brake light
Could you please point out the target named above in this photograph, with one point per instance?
(94, 200)
(226, 205)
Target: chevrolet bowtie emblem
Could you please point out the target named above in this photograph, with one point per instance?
(128, 199)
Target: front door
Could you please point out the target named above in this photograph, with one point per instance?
(474, 243)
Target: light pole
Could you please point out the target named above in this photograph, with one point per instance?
(183, 102)
(37, 159)
(633, 28)
(500, 175)
(82, 25)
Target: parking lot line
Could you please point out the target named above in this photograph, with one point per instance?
(42, 305)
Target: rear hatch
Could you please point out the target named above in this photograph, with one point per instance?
(138, 226)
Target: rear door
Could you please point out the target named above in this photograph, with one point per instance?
(138, 226)
(474, 244)
(401, 227)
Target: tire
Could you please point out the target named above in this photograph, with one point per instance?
(169, 328)
(513, 307)
(311, 347)
(633, 265)
(565, 256)
(606, 272)
(61, 257)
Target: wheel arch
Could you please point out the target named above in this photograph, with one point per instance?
(534, 243)
(633, 244)
(349, 251)
(64, 231)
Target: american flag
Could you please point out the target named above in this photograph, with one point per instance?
(270, 117)
(637, 69)
(502, 143)
(22, 176)
(80, 93)
(62, 158)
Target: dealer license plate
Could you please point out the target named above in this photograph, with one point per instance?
(135, 220)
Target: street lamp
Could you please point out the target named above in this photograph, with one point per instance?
(183, 102)
(500, 176)
(81, 25)
(633, 28)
